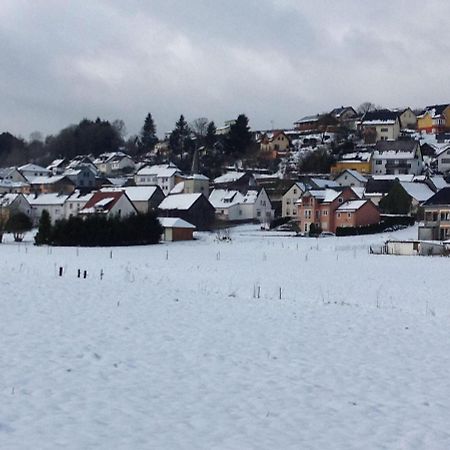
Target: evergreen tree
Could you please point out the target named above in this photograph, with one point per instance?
(210, 138)
(179, 141)
(44, 234)
(239, 138)
(148, 138)
(397, 201)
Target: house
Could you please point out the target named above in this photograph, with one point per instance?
(397, 157)
(351, 177)
(144, 198)
(193, 208)
(163, 175)
(75, 203)
(407, 118)
(226, 203)
(114, 162)
(50, 184)
(346, 116)
(58, 166)
(360, 161)
(83, 177)
(318, 206)
(176, 229)
(308, 123)
(192, 184)
(235, 180)
(109, 203)
(436, 223)
(13, 175)
(418, 193)
(380, 125)
(30, 171)
(442, 160)
(13, 187)
(52, 202)
(11, 204)
(356, 213)
(322, 183)
(289, 199)
(273, 144)
(434, 119)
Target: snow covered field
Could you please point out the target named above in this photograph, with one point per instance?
(173, 349)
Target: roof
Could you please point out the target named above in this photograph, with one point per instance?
(179, 201)
(33, 168)
(324, 183)
(229, 177)
(175, 222)
(48, 180)
(359, 191)
(135, 193)
(46, 199)
(307, 119)
(441, 197)
(436, 110)
(354, 174)
(102, 200)
(324, 195)
(161, 170)
(357, 157)
(178, 188)
(381, 116)
(352, 205)
(224, 198)
(7, 199)
(419, 191)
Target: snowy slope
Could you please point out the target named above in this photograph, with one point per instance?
(172, 349)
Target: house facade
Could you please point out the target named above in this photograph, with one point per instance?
(351, 178)
(109, 203)
(359, 161)
(381, 125)
(163, 175)
(289, 200)
(434, 119)
(397, 158)
(436, 223)
(356, 213)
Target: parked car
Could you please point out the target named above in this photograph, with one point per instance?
(326, 234)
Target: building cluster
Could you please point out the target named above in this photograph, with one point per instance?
(405, 148)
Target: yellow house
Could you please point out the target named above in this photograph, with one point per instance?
(274, 143)
(359, 161)
(434, 119)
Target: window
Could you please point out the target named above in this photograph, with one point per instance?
(325, 212)
(288, 201)
(349, 215)
(339, 215)
(340, 199)
(384, 130)
(294, 212)
(295, 190)
(378, 162)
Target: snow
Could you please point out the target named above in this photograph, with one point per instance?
(47, 199)
(179, 201)
(160, 171)
(135, 193)
(229, 177)
(174, 222)
(419, 191)
(173, 348)
(352, 205)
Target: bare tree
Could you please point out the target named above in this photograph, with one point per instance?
(200, 126)
(365, 107)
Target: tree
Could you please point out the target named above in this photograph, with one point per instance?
(181, 144)
(2, 224)
(239, 139)
(397, 201)
(210, 137)
(18, 224)
(365, 107)
(43, 236)
(200, 127)
(148, 138)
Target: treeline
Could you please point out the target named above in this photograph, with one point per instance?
(97, 231)
(101, 136)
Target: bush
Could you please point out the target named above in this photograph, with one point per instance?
(98, 230)
(314, 230)
(389, 223)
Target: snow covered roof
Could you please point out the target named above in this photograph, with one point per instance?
(357, 157)
(224, 198)
(419, 191)
(359, 191)
(135, 193)
(175, 222)
(439, 182)
(33, 168)
(47, 180)
(7, 199)
(380, 117)
(229, 177)
(101, 202)
(161, 170)
(323, 183)
(352, 205)
(400, 177)
(179, 201)
(46, 199)
(355, 174)
(77, 196)
(178, 188)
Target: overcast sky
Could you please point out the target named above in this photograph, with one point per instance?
(274, 60)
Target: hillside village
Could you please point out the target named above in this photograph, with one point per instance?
(346, 171)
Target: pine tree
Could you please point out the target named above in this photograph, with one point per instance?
(397, 201)
(180, 140)
(239, 138)
(210, 138)
(148, 138)
(43, 236)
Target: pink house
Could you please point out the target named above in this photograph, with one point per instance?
(357, 213)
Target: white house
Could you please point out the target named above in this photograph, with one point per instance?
(397, 158)
(442, 160)
(289, 198)
(109, 203)
(144, 198)
(163, 175)
(30, 171)
(75, 203)
(231, 205)
(53, 203)
(352, 178)
(114, 162)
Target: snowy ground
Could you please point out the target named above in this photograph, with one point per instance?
(173, 349)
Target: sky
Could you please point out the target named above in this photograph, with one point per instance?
(274, 60)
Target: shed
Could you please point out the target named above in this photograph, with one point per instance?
(176, 229)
